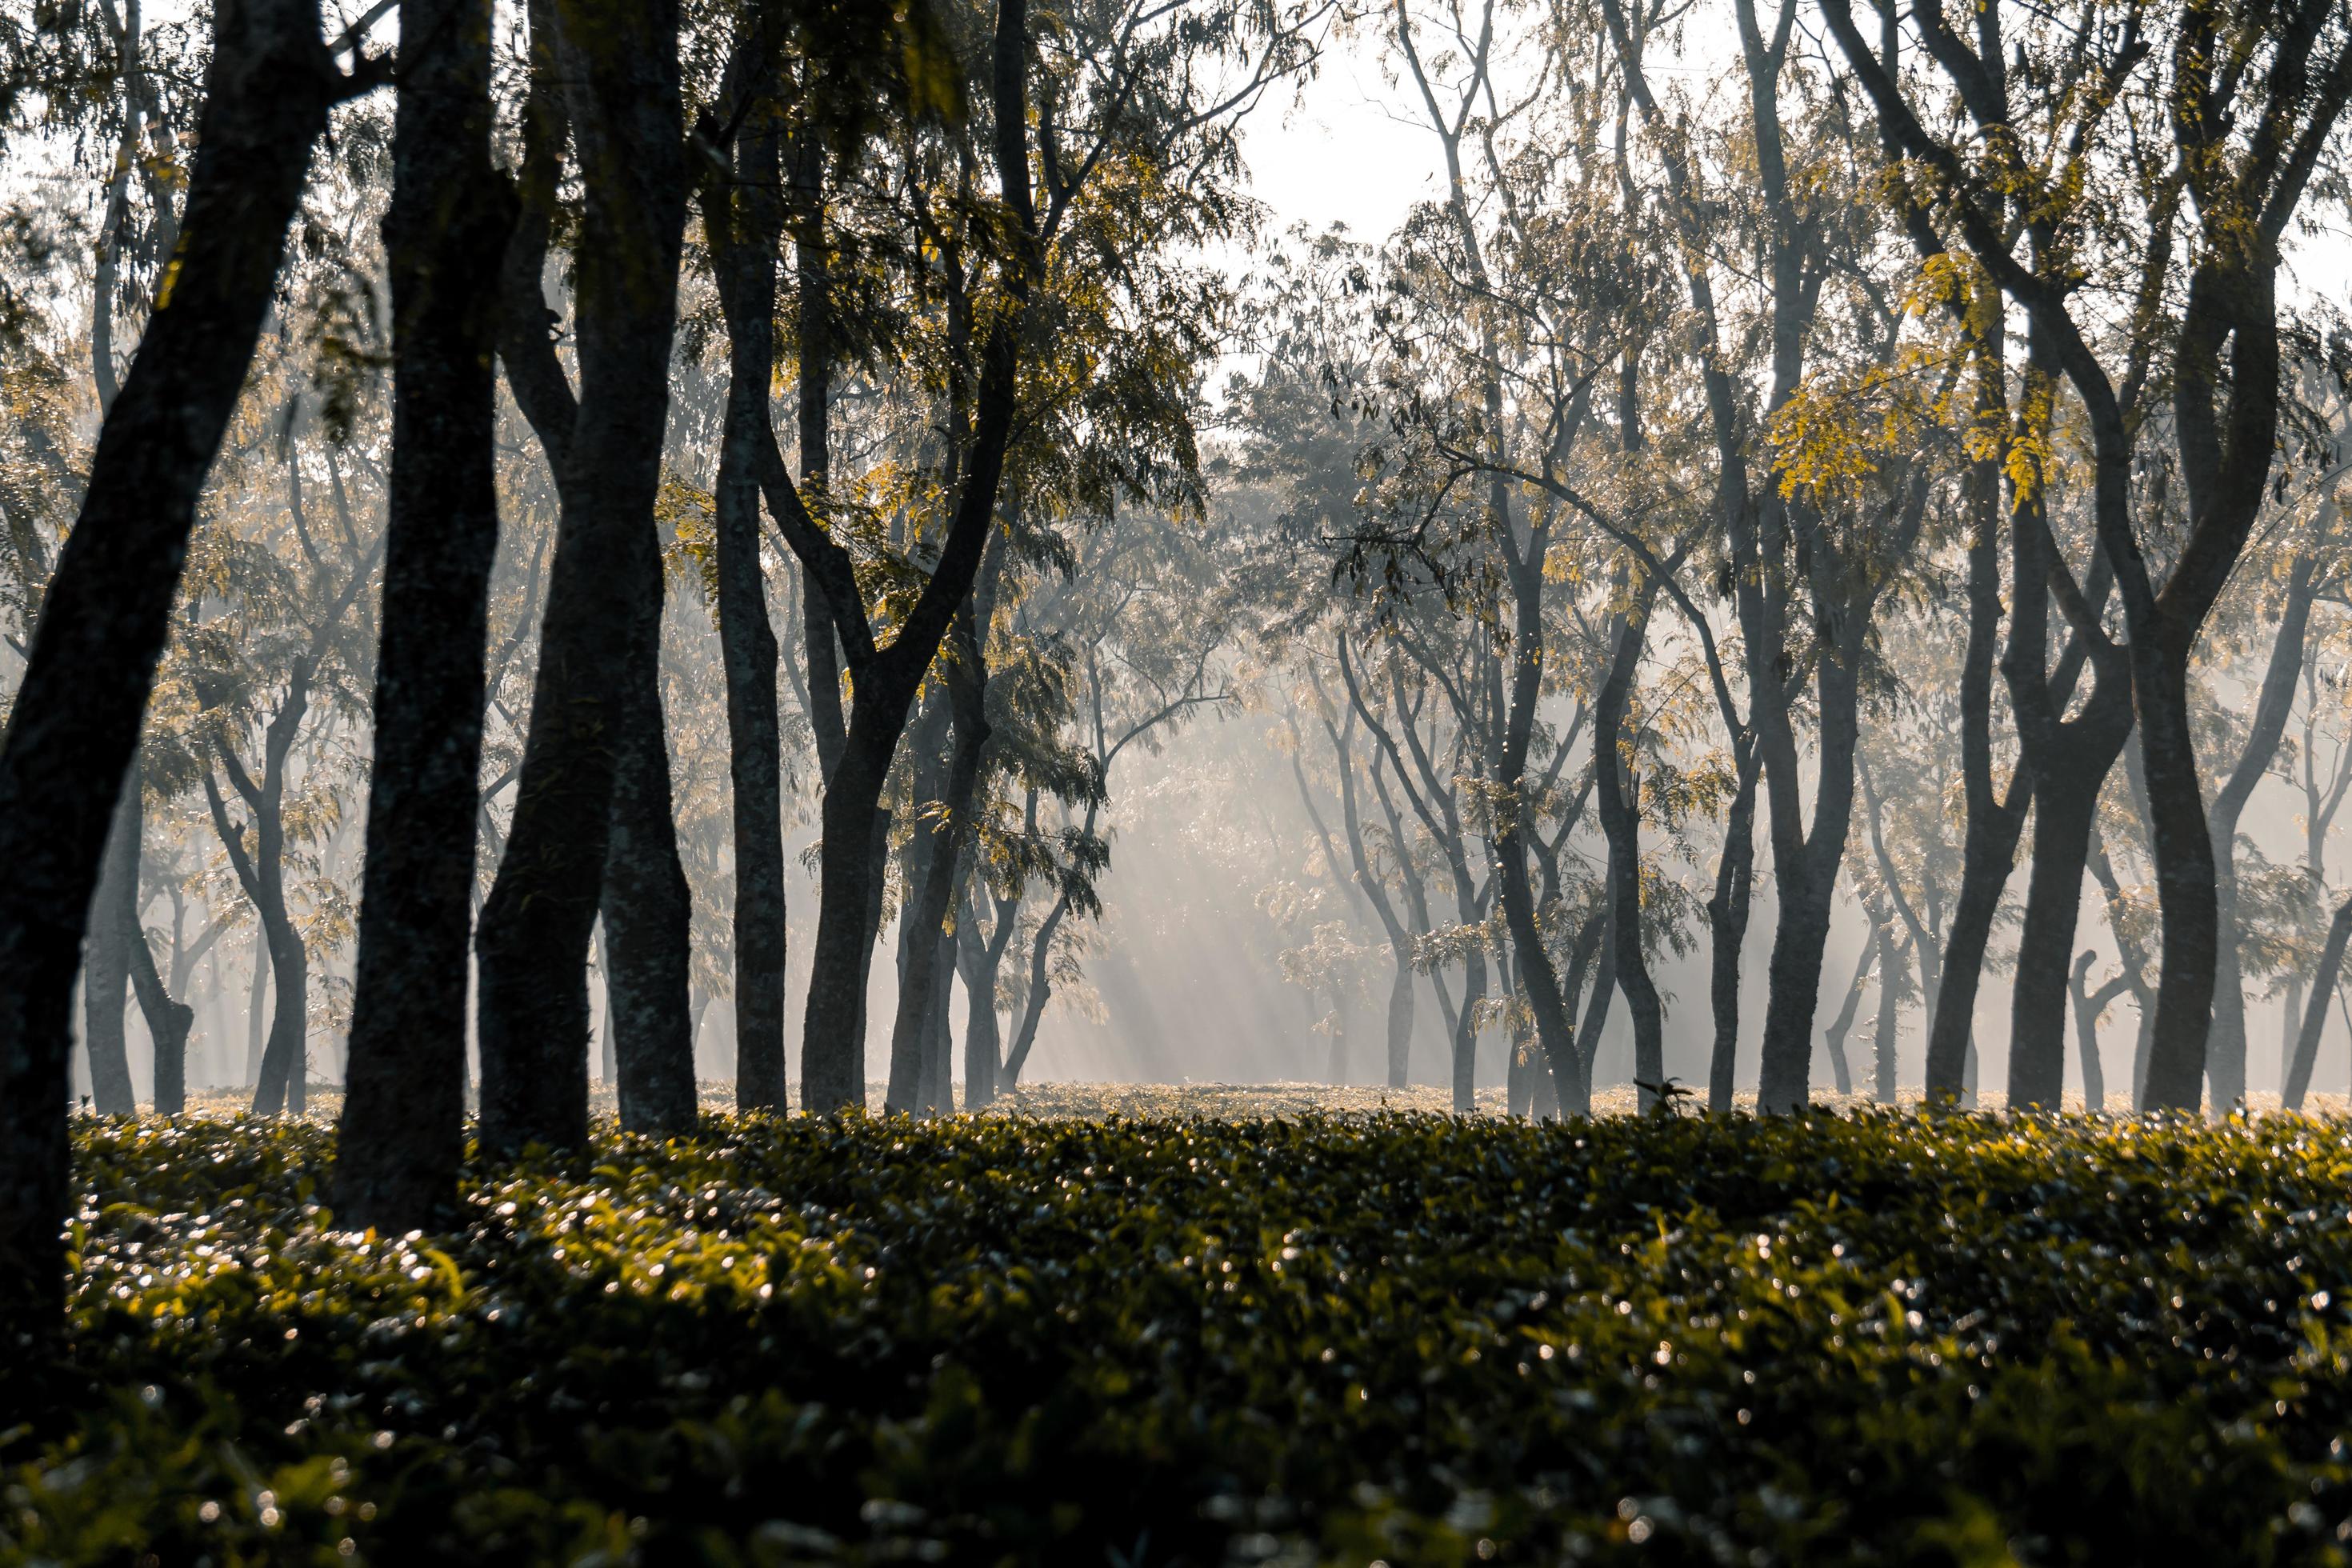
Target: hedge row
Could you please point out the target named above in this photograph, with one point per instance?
(1836, 1340)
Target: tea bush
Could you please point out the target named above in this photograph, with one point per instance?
(1841, 1340)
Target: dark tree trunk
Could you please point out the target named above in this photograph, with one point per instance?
(1571, 1080)
(1806, 857)
(929, 978)
(849, 882)
(1554, 1029)
(976, 960)
(1616, 798)
(1400, 997)
(402, 1132)
(619, 64)
(1804, 869)
(1040, 991)
(938, 1042)
(1989, 835)
(2064, 805)
(1596, 1018)
(744, 226)
(647, 914)
(281, 1082)
(926, 745)
(75, 717)
(106, 963)
(169, 1021)
(1726, 924)
(2183, 847)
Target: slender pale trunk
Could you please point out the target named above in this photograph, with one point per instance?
(2315, 1013)
(113, 916)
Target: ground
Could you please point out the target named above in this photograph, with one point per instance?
(1116, 1330)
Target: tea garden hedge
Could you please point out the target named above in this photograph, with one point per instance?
(1863, 1339)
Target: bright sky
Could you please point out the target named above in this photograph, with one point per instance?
(1345, 153)
(1356, 150)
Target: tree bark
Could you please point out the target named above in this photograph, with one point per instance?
(401, 1136)
(743, 225)
(648, 913)
(619, 64)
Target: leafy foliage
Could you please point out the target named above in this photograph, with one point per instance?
(1330, 1338)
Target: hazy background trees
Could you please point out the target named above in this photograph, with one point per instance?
(1627, 625)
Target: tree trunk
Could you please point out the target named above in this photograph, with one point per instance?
(976, 959)
(1835, 1036)
(744, 226)
(2226, 1051)
(1466, 1035)
(2183, 847)
(2087, 1008)
(619, 63)
(1596, 1018)
(936, 1095)
(1990, 835)
(1400, 1016)
(170, 1023)
(2314, 1013)
(830, 1047)
(402, 1133)
(1805, 860)
(1726, 924)
(282, 1088)
(74, 721)
(1571, 1080)
(648, 913)
(927, 740)
(256, 1011)
(2064, 805)
(1884, 1041)
(113, 916)
(1616, 797)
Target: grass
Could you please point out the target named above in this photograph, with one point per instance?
(1175, 1339)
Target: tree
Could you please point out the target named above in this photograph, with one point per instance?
(75, 721)
(594, 751)
(2241, 106)
(402, 1131)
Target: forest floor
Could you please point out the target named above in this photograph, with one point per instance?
(1174, 1339)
